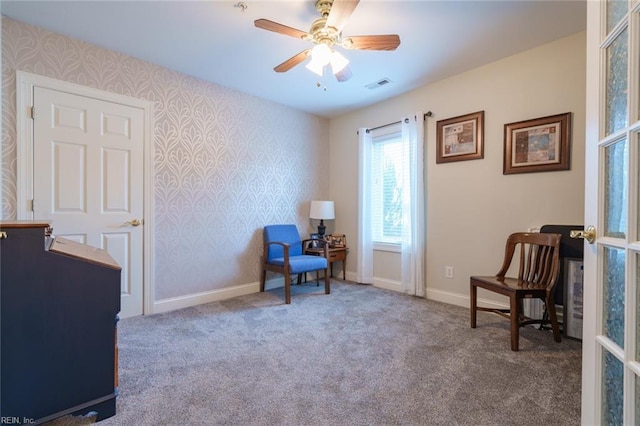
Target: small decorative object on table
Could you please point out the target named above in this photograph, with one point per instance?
(337, 240)
(315, 241)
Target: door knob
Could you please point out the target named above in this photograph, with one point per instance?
(134, 222)
(588, 234)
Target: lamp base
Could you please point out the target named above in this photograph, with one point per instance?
(321, 228)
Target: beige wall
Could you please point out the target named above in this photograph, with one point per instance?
(226, 163)
(471, 205)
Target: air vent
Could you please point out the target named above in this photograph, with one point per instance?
(378, 83)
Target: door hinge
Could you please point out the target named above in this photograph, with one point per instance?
(32, 113)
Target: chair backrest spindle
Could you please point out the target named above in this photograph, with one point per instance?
(538, 262)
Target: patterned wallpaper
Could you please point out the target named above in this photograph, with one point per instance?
(226, 163)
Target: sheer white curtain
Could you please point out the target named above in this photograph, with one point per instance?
(364, 272)
(413, 211)
(413, 219)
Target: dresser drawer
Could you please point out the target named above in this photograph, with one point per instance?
(337, 255)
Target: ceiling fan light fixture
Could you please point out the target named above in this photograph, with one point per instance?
(321, 53)
(315, 66)
(325, 33)
(338, 62)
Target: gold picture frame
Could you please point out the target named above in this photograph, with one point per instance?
(460, 138)
(538, 145)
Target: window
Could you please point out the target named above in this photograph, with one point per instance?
(387, 166)
(391, 200)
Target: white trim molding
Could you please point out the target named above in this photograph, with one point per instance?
(180, 302)
(387, 284)
(462, 300)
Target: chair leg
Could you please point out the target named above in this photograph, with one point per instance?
(521, 310)
(553, 317)
(327, 285)
(263, 279)
(318, 278)
(287, 289)
(515, 321)
(474, 304)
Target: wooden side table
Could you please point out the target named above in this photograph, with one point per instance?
(337, 254)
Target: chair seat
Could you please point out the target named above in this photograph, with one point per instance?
(508, 285)
(302, 263)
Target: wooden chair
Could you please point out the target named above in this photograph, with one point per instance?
(283, 254)
(539, 257)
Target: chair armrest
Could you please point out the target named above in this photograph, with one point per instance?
(285, 251)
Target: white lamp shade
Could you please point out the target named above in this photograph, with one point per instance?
(322, 210)
(315, 66)
(321, 53)
(338, 62)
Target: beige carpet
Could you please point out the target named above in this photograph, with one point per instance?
(360, 356)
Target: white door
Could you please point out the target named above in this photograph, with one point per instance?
(611, 353)
(88, 179)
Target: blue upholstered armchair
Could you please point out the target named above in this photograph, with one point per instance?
(283, 253)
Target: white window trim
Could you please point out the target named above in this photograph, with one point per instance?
(388, 247)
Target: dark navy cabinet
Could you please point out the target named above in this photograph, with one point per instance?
(59, 307)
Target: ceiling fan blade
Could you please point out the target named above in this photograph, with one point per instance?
(372, 42)
(340, 12)
(266, 24)
(293, 61)
(344, 74)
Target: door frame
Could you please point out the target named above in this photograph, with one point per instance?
(25, 83)
(591, 368)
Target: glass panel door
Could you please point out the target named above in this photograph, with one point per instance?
(611, 355)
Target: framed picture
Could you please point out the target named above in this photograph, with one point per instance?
(538, 145)
(573, 297)
(337, 240)
(315, 241)
(460, 138)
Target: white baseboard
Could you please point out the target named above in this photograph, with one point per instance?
(171, 304)
(387, 284)
(180, 302)
(352, 276)
(462, 299)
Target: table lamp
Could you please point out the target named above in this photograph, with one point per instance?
(321, 210)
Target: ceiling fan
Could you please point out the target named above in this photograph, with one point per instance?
(325, 33)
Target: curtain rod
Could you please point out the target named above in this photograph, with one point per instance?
(383, 126)
(426, 114)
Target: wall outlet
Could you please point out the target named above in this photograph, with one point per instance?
(448, 272)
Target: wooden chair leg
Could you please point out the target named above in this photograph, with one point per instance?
(263, 279)
(521, 310)
(318, 278)
(515, 321)
(553, 318)
(327, 286)
(287, 289)
(474, 304)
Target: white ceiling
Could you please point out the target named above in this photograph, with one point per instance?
(217, 41)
